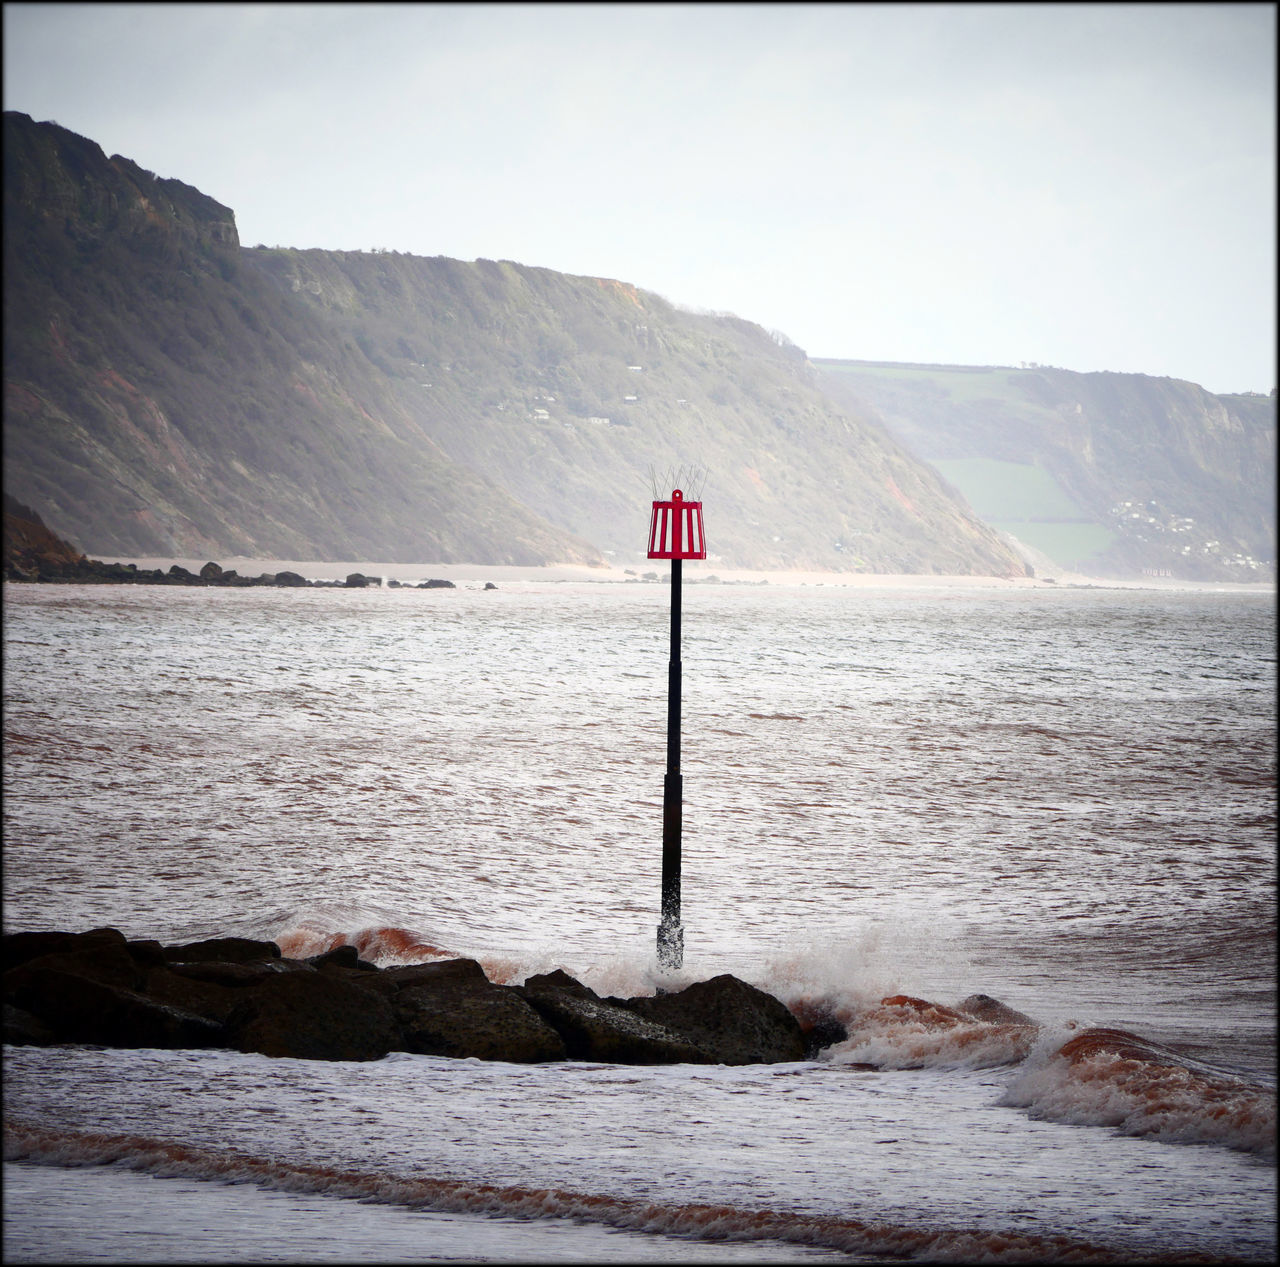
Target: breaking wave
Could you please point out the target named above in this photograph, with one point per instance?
(1109, 1077)
(715, 1222)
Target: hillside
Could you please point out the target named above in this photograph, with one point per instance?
(1109, 474)
(170, 392)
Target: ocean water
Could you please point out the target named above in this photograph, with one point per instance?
(895, 798)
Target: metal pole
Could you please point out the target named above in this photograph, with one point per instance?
(670, 932)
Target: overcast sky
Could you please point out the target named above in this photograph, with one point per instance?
(1092, 187)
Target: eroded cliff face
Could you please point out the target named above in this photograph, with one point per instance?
(1181, 481)
(169, 392)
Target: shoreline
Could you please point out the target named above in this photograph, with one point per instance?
(480, 573)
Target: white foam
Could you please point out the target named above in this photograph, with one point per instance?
(1155, 1098)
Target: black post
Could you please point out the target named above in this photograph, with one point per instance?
(670, 932)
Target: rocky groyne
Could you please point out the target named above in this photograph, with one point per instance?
(235, 993)
(33, 553)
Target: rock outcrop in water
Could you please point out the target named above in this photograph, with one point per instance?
(100, 987)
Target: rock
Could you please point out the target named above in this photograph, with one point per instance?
(358, 581)
(237, 975)
(561, 981)
(595, 1030)
(18, 948)
(313, 1016)
(180, 576)
(79, 1009)
(98, 987)
(435, 584)
(341, 957)
(735, 1023)
(441, 974)
(489, 585)
(984, 1008)
(24, 1030)
(451, 1008)
(211, 999)
(224, 950)
(290, 579)
(211, 572)
(102, 955)
(490, 1022)
(146, 954)
(825, 1032)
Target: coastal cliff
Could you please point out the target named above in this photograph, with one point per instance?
(1112, 474)
(171, 392)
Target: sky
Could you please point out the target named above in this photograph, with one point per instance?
(1086, 186)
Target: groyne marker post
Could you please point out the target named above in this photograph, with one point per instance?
(675, 533)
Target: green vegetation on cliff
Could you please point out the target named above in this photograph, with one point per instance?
(1112, 474)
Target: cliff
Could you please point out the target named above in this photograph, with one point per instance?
(1111, 474)
(168, 391)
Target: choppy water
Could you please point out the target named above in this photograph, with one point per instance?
(1062, 799)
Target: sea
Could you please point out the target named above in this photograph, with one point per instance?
(896, 797)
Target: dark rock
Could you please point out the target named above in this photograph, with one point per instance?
(289, 578)
(451, 1008)
(595, 1030)
(825, 1032)
(146, 954)
(489, 585)
(24, 1030)
(486, 1022)
(559, 980)
(736, 1023)
(237, 975)
(443, 973)
(17, 948)
(79, 1009)
(224, 949)
(181, 575)
(437, 585)
(211, 999)
(211, 572)
(341, 957)
(313, 1016)
(984, 1008)
(92, 956)
(358, 581)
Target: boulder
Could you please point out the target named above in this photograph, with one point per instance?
(358, 581)
(735, 1023)
(451, 1008)
(24, 1030)
(146, 954)
(341, 957)
(595, 1030)
(984, 1008)
(440, 974)
(211, 572)
(17, 948)
(490, 1022)
(102, 955)
(289, 578)
(79, 1009)
(212, 999)
(223, 949)
(313, 1016)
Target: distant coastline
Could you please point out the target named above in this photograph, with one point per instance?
(476, 575)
